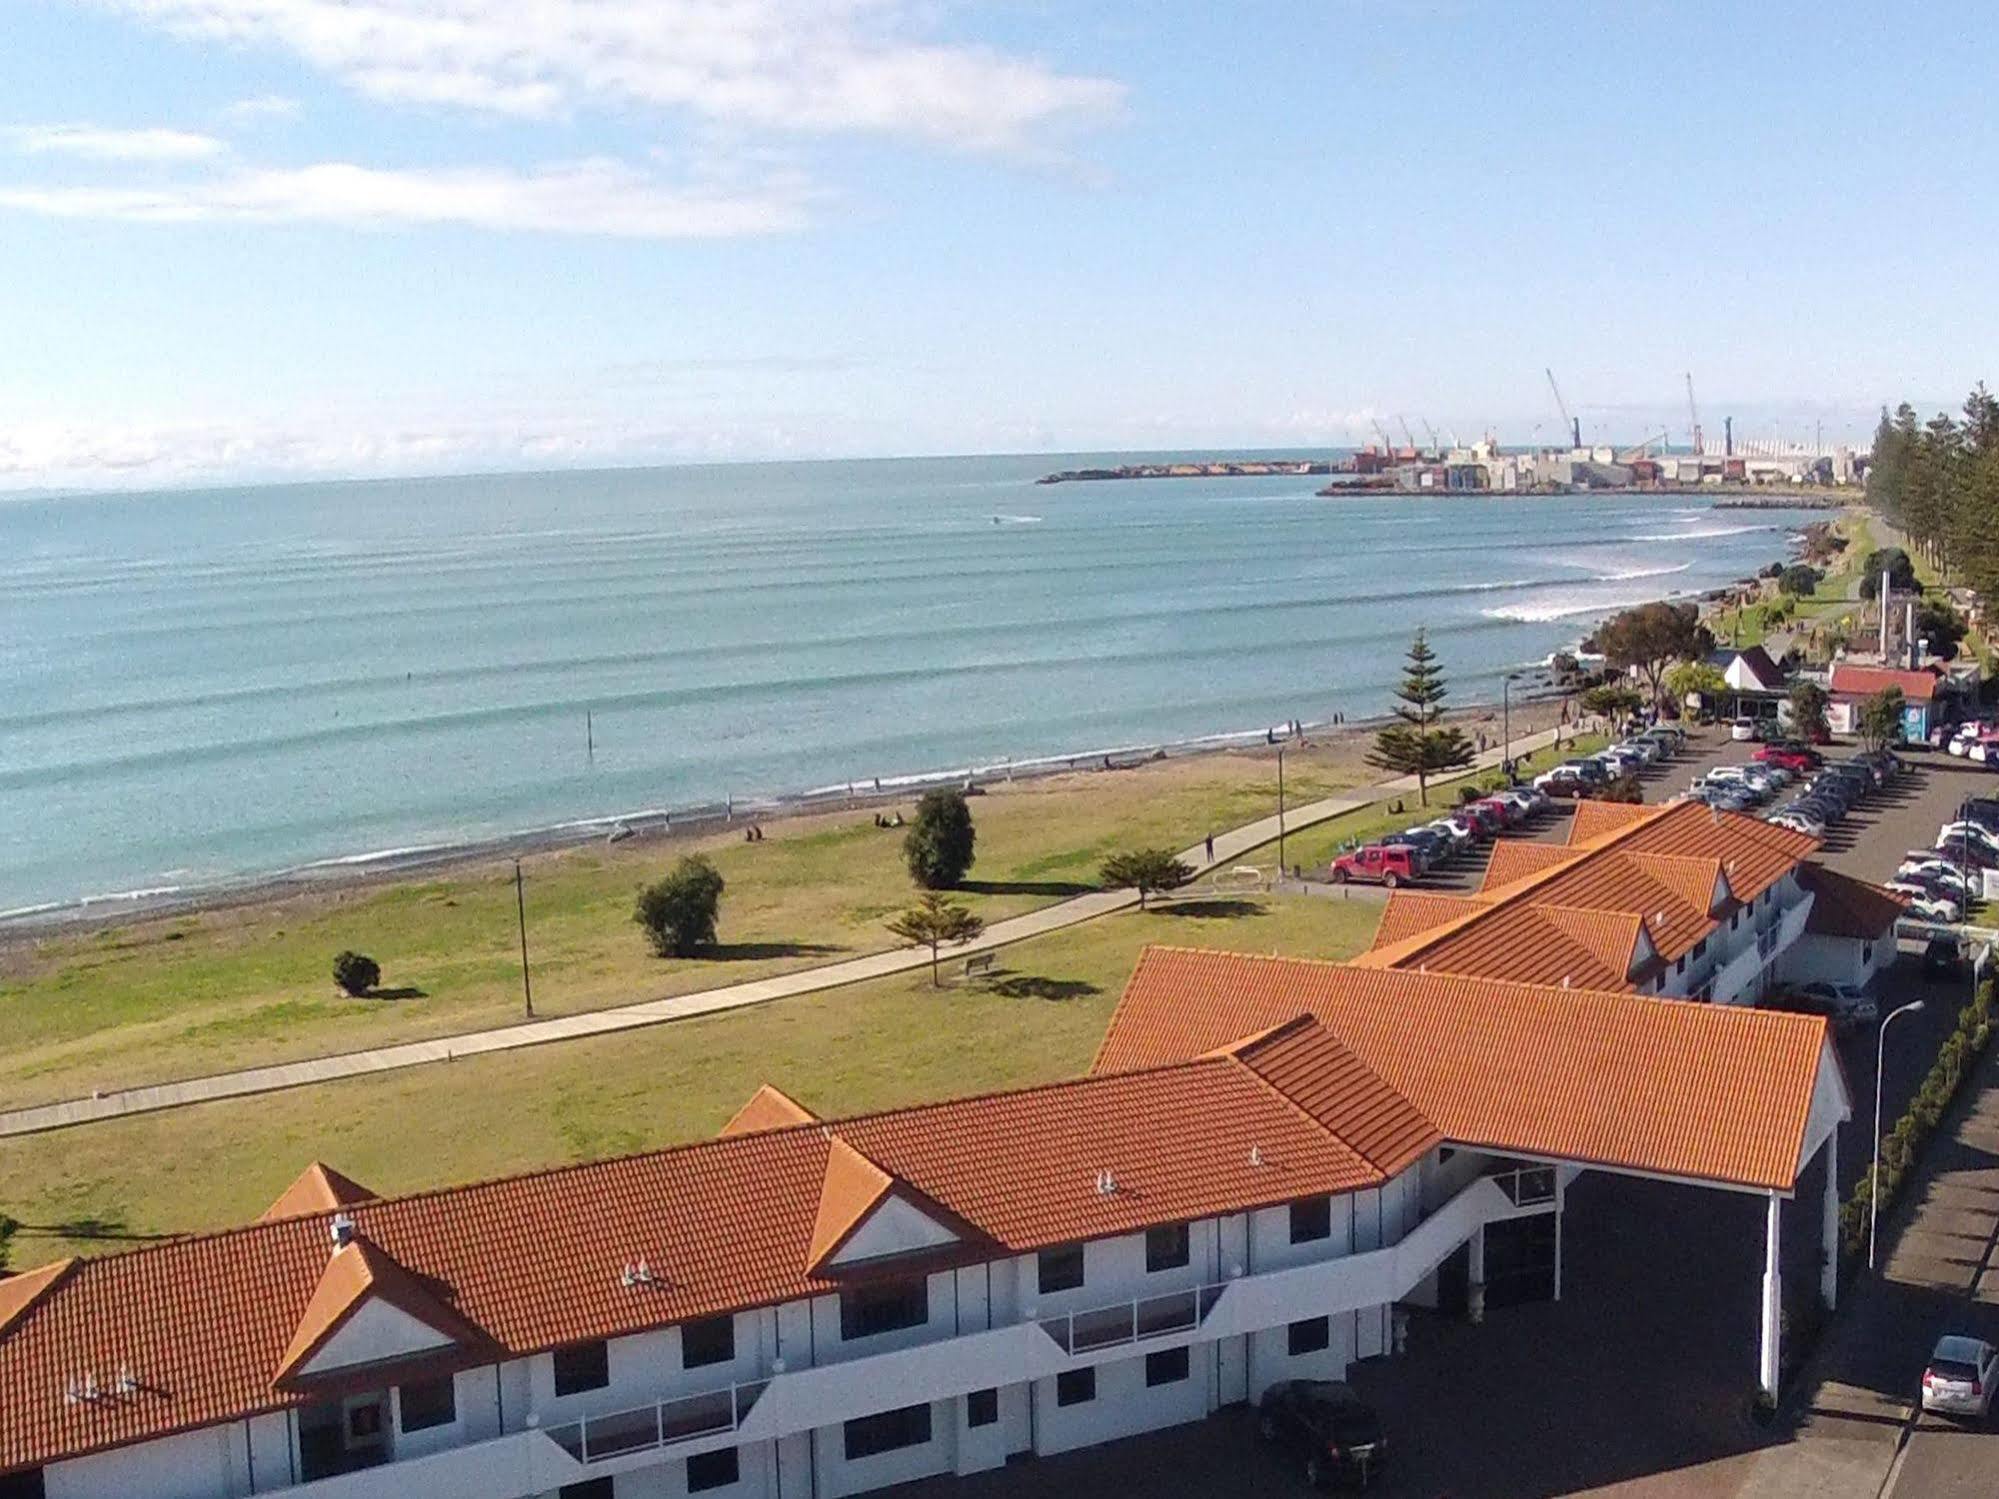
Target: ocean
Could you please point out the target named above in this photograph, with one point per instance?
(202, 686)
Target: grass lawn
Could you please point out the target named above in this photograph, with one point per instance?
(1039, 1016)
(176, 997)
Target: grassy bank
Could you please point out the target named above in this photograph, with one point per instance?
(1038, 1016)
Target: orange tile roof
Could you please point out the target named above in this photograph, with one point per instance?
(533, 1262)
(1846, 907)
(1865, 681)
(1408, 912)
(1713, 1092)
(19, 1293)
(1516, 858)
(1595, 818)
(356, 1274)
(319, 1189)
(768, 1108)
(1306, 1063)
(851, 1189)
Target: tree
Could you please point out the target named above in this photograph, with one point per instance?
(1880, 722)
(1942, 626)
(1799, 580)
(1695, 679)
(938, 848)
(933, 921)
(1419, 744)
(1808, 710)
(356, 973)
(1651, 637)
(1891, 560)
(678, 911)
(1145, 870)
(1611, 699)
(8, 1228)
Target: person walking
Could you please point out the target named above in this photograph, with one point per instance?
(1211, 848)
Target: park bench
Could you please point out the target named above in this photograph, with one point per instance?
(980, 963)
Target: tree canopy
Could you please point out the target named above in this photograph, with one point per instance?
(356, 973)
(1890, 560)
(1808, 709)
(1880, 720)
(1939, 482)
(680, 909)
(1690, 678)
(1651, 637)
(934, 920)
(1799, 580)
(940, 844)
(1611, 699)
(1145, 870)
(1419, 744)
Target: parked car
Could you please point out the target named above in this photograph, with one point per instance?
(1942, 958)
(1563, 783)
(1854, 1002)
(1742, 729)
(1389, 864)
(1967, 853)
(1457, 834)
(1984, 811)
(1334, 1433)
(1797, 1002)
(1510, 814)
(1794, 758)
(1973, 833)
(1928, 902)
(1958, 1381)
(1798, 822)
(1936, 873)
(1430, 846)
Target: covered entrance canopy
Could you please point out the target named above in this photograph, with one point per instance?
(1712, 1096)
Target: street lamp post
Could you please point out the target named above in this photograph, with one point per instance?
(1506, 723)
(1874, 1179)
(1280, 812)
(521, 911)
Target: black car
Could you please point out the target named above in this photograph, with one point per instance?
(1982, 810)
(1332, 1431)
(1942, 958)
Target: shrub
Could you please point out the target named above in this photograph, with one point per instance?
(940, 844)
(356, 973)
(679, 910)
(1145, 870)
(1798, 580)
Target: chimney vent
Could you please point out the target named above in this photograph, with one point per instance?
(1106, 1184)
(340, 1231)
(1256, 1155)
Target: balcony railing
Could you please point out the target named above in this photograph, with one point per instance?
(1132, 1321)
(661, 1424)
(1527, 1186)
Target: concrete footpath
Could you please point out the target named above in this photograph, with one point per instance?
(1229, 847)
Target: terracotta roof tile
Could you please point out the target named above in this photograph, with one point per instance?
(1865, 681)
(851, 1189)
(767, 1108)
(1611, 937)
(1704, 1091)
(1516, 858)
(356, 1274)
(318, 1189)
(1306, 1063)
(1408, 912)
(1594, 818)
(19, 1293)
(1846, 907)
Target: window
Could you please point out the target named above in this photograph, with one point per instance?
(1076, 1387)
(710, 1341)
(1700, 948)
(1060, 1269)
(1867, 952)
(428, 1403)
(587, 1366)
(888, 1431)
(1735, 921)
(1311, 1218)
(25, 1485)
(711, 1470)
(1166, 1248)
(1309, 1336)
(1167, 1366)
(1681, 966)
(982, 1407)
(887, 1307)
(589, 1488)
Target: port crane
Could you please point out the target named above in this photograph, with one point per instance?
(1403, 422)
(1387, 442)
(1694, 415)
(1569, 423)
(1435, 446)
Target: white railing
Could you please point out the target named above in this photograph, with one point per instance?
(662, 1423)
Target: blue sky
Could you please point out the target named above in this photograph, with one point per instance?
(264, 238)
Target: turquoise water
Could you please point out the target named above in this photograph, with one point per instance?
(198, 686)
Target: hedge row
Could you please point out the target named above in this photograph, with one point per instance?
(1901, 1145)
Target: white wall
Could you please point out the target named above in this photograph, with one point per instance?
(838, 1476)
(375, 1333)
(755, 1478)
(477, 1417)
(1270, 1239)
(829, 1348)
(1123, 1405)
(207, 1464)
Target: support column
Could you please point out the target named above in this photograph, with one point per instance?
(1829, 1227)
(1561, 1202)
(1773, 1296)
(1475, 1290)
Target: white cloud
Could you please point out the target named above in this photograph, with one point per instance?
(809, 66)
(260, 107)
(596, 196)
(99, 143)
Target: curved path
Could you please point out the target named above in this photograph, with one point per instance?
(1229, 847)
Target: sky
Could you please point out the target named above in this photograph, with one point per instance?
(263, 239)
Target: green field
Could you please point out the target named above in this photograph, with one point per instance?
(1038, 1016)
(172, 998)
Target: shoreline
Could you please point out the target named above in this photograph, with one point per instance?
(366, 871)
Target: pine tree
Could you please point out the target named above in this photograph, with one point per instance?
(1420, 745)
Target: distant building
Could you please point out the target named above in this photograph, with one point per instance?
(1853, 685)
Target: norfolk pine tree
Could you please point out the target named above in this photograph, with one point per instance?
(1420, 745)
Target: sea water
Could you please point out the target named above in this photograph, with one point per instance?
(202, 685)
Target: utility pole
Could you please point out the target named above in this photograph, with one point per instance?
(1280, 812)
(521, 910)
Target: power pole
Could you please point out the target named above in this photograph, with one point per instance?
(521, 910)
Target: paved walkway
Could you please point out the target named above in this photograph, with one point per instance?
(1229, 847)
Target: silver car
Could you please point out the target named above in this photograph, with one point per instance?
(1958, 1381)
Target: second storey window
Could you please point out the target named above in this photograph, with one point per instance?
(1311, 1218)
(888, 1431)
(428, 1403)
(1060, 1269)
(585, 1366)
(710, 1341)
(1166, 1248)
(888, 1307)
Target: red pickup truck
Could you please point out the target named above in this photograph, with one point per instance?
(1388, 864)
